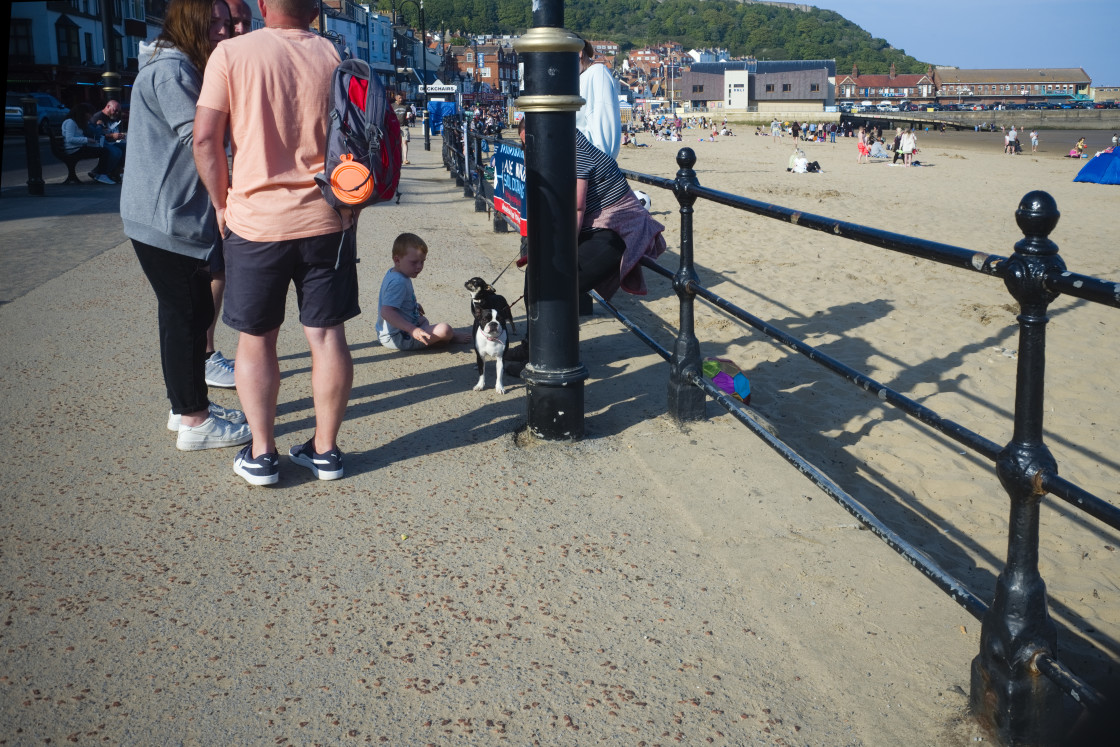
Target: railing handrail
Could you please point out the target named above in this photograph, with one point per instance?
(1068, 283)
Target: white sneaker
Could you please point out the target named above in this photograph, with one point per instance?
(219, 371)
(214, 433)
(225, 413)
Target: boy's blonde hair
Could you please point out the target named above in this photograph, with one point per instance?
(407, 241)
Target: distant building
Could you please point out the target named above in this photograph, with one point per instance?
(1105, 93)
(605, 48)
(765, 85)
(912, 87)
(708, 55)
(701, 91)
(1014, 85)
(59, 47)
(489, 68)
(645, 59)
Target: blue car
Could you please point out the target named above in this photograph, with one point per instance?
(49, 110)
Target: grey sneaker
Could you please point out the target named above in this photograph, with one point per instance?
(219, 371)
(225, 413)
(214, 433)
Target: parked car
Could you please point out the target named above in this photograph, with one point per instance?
(50, 111)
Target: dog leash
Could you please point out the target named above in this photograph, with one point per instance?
(503, 272)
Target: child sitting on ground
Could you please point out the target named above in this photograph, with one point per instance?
(401, 323)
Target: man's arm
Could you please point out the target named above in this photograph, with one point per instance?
(210, 158)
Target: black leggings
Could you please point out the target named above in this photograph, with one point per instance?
(186, 308)
(599, 256)
(599, 253)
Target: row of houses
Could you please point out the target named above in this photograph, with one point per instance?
(65, 47)
(59, 47)
(710, 80)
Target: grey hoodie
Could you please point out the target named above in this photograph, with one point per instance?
(163, 200)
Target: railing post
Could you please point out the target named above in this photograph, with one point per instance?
(457, 156)
(554, 375)
(468, 167)
(31, 140)
(686, 400)
(1009, 694)
(479, 173)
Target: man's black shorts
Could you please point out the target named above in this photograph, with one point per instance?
(258, 274)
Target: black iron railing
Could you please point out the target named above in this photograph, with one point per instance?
(1019, 688)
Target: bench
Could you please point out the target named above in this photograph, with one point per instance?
(70, 159)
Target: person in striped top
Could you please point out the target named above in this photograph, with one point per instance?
(615, 230)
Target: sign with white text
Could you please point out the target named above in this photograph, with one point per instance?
(509, 183)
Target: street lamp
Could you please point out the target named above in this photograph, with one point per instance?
(423, 51)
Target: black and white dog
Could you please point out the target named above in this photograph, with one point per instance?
(490, 341)
(483, 296)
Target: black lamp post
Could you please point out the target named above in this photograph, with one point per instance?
(554, 375)
(424, 51)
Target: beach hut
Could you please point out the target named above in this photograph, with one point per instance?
(1103, 168)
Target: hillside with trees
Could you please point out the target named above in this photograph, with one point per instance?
(765, 31)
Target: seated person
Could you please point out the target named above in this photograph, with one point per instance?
(108, 121)
(878, 151)
(76, 141)
(401, 323)
(615, 231)
(797, 153)
(106, 124)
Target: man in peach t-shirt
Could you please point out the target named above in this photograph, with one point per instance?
(270, 89)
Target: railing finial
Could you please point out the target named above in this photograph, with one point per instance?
(1037, 216)
(686, 158)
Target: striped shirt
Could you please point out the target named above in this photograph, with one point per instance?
(605, 183)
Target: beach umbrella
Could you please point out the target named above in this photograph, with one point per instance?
(1103, 168)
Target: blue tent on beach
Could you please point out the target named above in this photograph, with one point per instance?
(1103, 168)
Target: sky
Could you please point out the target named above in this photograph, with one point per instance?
(996, 33)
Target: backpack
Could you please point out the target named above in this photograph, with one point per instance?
(363, 162)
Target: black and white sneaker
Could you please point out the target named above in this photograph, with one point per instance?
(324, 466)
(264, 470)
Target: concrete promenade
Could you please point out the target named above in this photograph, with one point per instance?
(462, 584)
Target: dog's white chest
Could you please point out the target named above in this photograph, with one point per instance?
(490, 348)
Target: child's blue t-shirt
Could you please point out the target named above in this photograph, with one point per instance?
(396, 291)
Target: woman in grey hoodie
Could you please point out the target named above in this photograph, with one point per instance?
(167, 213)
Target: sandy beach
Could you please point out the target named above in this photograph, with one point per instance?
(944, 337)
(466, 585)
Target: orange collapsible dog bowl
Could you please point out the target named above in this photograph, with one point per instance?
(350, 181)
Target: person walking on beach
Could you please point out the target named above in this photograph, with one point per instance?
(1034, 141)
(862, 148)
(269, 88)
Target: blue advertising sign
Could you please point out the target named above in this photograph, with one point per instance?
(509, 183)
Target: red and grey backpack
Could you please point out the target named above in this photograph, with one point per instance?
(363, 163)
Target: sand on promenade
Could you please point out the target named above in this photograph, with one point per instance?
(645, 585)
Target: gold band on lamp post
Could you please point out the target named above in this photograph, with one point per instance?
(549, 103)
(111, 82)
(547, 39)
